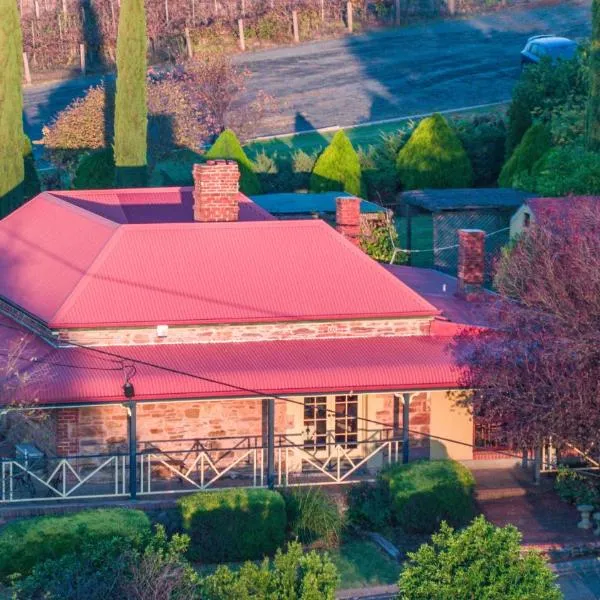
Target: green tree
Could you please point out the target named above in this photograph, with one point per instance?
(227, 146)
(12, 169)
(482, 561)
(593, 104)
(131, 109)
(338, 168)
(433, 157)
(535, 143)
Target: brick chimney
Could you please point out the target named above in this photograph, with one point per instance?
(471, 263)
(216, 187)
(347, 218)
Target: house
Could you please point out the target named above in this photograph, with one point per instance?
(190, 339)
(432, 218)
(536, 210)
(321, 206)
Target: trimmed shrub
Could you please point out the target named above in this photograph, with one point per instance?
(481, 561)
(535, 143)
(23, 544)
(96, 171)
(484, 140)
(313, 515)
(563, 171)
(434, 157)
(293, 574)
(425, 493)
(370, 505)
(235, 524)
(338, 168)
(228, 146)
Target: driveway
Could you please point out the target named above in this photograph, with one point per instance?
(391, 73)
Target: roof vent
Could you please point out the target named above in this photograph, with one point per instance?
(162, 331)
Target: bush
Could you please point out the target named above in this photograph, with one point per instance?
(425, 493)
(369, 505)
(176, 170)
(233, 524)
(535, 143)
(563, 171)
(338, 168)
(575, 488)
(228, 146)
(484, 140)
(292, 575)
(26, 543)
(481, 561)
(434, 157)
(96, 171)
(312, 515)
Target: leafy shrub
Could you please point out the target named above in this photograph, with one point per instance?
(96, 171)
(380, 244)
(369, 505)
(575, 488)
(112, 569)
(270, 28)
(292, 575)
(176, 170)
(425, 493)
(535, 143)
(338, 168)
(228, 146)
(481, 561)
(32, 185)
(312, 515)
(484, 139)
(434, 157)
(563, 171)
(26, 543)
(233, 524)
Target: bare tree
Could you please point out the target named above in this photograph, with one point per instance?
(536, 371)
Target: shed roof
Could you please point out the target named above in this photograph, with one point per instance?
(299, 204)
(465, 199)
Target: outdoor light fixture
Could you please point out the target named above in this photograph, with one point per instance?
(129, 390)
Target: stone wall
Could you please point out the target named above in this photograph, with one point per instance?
(211, 334)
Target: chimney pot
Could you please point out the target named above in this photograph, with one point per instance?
(347, 218)
(216, 189)
(471, 263)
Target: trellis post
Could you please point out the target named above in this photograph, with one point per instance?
(295, 26)
(132, 434)
(241, 33)
(349, 16)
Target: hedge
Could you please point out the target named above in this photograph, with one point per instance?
(425, 493)
(434, 157)
(233, 525)
(535, 143)
(338, 168)
(228, 146)
(95, 171)
(23, 544)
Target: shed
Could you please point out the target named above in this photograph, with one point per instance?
(430, 220)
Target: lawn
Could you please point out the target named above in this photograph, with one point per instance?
(360, 563)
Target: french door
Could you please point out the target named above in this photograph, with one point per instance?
(331, 421)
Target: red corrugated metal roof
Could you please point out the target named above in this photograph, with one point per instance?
(272, 368)
(73, 268)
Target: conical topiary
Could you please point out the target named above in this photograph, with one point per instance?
(11, 108)
(228, 146)
(131, 110)
(535, 143)
(338, 168)
(433, 157)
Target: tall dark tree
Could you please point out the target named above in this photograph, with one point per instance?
(131, 109)
(593, 107)
(11, 108)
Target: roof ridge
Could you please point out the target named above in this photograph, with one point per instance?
(92, 269)
(78, 209)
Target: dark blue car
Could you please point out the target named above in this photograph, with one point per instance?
(551, 46)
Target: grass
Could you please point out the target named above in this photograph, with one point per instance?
(360, 564)
(360, 136)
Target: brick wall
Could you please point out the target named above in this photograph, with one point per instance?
(204, 334)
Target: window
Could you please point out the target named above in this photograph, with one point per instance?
(330, 419)
(526, 220)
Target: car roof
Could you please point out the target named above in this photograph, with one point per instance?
(552, 40)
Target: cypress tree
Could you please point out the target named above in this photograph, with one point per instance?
(593, 106)
(12, 170)
(131, 110)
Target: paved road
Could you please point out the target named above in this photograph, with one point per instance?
(430, 66)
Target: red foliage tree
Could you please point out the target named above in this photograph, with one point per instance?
(536, 370)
